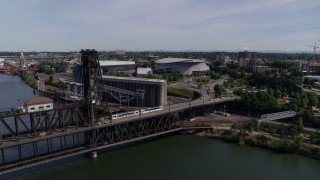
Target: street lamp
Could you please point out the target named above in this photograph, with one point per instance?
(214, 101)
(190, 92)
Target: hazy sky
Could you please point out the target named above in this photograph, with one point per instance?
(65, 25)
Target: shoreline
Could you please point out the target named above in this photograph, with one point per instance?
(263, 141)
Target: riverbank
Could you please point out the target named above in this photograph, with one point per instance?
(264, 140)
(32, 81)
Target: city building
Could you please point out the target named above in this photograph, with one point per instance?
(180, 65)
(264, 69)
(247, 62)
(38, 104)
(247, 55)
(116, 66)
(247, 58)
(120, 52)
(144, 71)
(223, 59)
(311, 67)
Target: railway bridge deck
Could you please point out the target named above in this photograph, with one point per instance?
(28, 138)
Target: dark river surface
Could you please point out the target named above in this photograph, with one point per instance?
(175, 157)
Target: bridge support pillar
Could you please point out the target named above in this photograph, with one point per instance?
(93, 154)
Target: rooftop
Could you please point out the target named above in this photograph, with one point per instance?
(134, 79)
(144, 70)
(37, 100)
(177, 60)
(116, 63)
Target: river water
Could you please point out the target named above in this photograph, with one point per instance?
(12, 92)
(175, 157)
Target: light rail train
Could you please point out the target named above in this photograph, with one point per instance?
(134, 113)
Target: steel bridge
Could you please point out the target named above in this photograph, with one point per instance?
(32, 138)
(277, 116)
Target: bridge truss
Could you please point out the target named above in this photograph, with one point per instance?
(276, 116)
(31, 137)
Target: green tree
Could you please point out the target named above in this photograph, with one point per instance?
(251, 125)
(277, 94)
(217, 90)
(312, 99)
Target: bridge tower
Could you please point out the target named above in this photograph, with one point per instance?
(93, 92)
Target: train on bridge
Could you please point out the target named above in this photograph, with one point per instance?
(134, 113)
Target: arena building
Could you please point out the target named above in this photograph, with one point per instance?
(180, 65)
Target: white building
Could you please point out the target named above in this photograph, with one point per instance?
(38, 104)
(116, 66)
(180, 65)
(1, 62)
(144, 71)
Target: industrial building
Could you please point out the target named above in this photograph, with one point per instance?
(116, 66)
(147, 92)
(265, 69)
(180, 65)
(38, 104)
(70, 90)
(144, 71)
(123, 90)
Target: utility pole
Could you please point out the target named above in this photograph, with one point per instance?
(213, 105)
(190, 92)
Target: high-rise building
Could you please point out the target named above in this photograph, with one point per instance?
(247, 55)
(247, 58)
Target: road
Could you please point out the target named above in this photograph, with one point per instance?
(317, 91)
(204, 88)
(305, 129)
(175, 107)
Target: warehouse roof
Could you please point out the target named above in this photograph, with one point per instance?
(37, 100)
(116, 63)
(178, 60)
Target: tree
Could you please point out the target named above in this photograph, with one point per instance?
(277, 94)
(298, 141)
(312, 99)
(251, 125)
(50, 79)
(217, 90)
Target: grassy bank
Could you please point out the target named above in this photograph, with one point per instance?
(265, 141)
(180, 92)
(30, 80)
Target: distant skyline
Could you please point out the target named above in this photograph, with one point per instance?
(138, 25)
